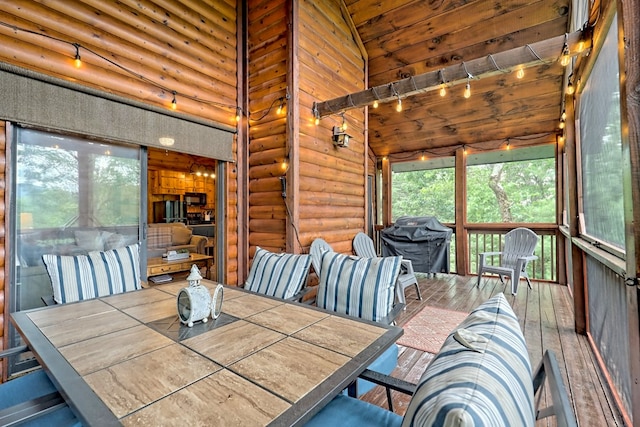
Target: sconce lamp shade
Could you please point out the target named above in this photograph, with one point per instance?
(340, 137)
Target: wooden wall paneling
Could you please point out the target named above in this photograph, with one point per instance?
(186, 70)
(268, 52)
(4, 309)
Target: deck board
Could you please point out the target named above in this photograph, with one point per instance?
(546, 316)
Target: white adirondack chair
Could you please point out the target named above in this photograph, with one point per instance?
(363, 247)
(519, 245)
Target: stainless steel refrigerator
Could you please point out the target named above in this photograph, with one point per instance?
(170, 211)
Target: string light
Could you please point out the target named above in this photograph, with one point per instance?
(375, 101)
(399, 106)
(375, 104)
(580, 46)
(285, 164)
(174, 103)
(443, 86)
(561, 125)
(238, 114)
(280, 107)
(564, 115)
(464, 150)
(78, 61)
(508, 145)
(565, 58)
(570, 88)
(423, 157)
(467, 88)
(520, 73)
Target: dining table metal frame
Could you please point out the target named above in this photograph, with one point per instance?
(92, 410)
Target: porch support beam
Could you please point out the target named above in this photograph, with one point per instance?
(527, 56)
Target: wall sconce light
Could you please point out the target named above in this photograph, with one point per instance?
(340, 137)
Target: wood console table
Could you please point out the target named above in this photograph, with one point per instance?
(126, 359)
(158, 266)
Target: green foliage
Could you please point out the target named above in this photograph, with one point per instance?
(424, 193)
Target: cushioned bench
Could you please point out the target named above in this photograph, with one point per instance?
(480, 377)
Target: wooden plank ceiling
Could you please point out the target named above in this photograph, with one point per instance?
(406, 38)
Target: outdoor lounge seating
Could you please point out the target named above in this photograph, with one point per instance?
(519, 245)
(363, 246)
(481, 376)
(32, 400)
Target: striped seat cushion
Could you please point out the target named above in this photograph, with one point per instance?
(358, 287)
(481, 376)
(278, 275)
(80, 277)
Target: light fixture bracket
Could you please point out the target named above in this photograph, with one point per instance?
(340, 137)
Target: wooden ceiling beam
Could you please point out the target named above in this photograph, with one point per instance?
(502, 62)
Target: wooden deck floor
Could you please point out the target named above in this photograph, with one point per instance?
(546, 317)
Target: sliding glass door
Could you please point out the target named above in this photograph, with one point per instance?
(70, 196)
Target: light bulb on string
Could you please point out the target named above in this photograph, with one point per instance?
(561, 125)
(238, 116)
(580, 46)
(566, 57)
(280, 107)
(570, 88)
(467, 90)
(520, 73)
(174, 103)
(399, 105)
(77, 61)
(443, 90)
(508, 146)
(375, 104)
(317, 121)
(563, 117)
(423, 157)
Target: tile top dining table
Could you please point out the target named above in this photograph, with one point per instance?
(127, 360)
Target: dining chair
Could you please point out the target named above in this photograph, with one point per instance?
(32, 399)
(516, 253)
(362, 288)
(279, 275)
(364, 247)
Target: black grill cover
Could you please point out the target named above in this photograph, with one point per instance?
(422, 239)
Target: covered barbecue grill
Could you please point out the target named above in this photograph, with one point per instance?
(422, 239)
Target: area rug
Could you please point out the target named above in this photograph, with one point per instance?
(427, 330)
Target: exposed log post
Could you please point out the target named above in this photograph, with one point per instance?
(521, 57)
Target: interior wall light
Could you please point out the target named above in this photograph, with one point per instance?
(166, 141)
(340, 137)
(174, 103)
(77, 61)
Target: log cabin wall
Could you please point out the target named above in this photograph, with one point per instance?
(3, 173)
(186, 46)
(331, 179)
(268, 50)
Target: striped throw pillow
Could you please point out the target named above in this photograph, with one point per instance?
(481, 376)
(358, 287)
(278, 275)
(76, 278)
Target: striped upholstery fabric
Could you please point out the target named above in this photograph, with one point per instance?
(481, 376)
(358, 287)
(76, 278)
(278, 275)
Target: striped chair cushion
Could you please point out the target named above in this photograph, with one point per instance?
(76, 278)
(481, 376)
(278, 275)
(358, 287)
